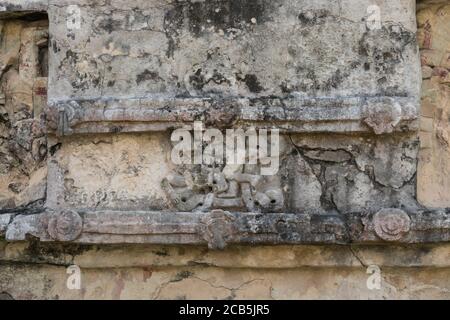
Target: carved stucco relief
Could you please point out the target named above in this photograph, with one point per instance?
(345, 98)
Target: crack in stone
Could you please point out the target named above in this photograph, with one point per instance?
(353, 252)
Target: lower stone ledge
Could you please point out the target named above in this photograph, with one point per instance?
(26, 281)
(219, 228)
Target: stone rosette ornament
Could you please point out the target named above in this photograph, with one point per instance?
(218, 229)
(391, 224)
(65, 226)
(384, 115)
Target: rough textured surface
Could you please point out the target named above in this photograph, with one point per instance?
(23, 94)
(336, 176)
(434, 169)
(345, 97)
(49, 282)
(223, 51)
(106, 172)
(215, 62)
(155, 272)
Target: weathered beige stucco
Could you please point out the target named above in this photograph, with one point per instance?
(364, 163)
(170, 272)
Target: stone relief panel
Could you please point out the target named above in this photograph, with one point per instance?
(434, 165)
(122, 172)
(23, 98)
(230, 188)
(318, 174)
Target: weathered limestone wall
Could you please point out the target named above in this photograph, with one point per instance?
(343, 91)
(382, 172)
(180, 272)
(352, 170)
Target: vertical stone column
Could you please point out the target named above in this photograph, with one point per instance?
(434, 160)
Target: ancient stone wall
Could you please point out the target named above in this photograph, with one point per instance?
(87, 171)
(185, 272)
(341, 87)
(434, 41)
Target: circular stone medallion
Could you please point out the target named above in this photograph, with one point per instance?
(391, 224)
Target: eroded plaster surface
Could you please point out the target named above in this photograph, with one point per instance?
(162, 65)
(433, 170)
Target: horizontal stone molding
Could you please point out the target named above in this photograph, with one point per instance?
(345, 114)
(219, 228)
(14, 8)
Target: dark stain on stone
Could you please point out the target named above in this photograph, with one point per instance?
(161, 253)
(131, 20)
(355, 64)
(312, 83)
(16, 12)
(71, 56)
(197, 80)
(180, 276)
(285, 88)
(382, 80)
(147, 273)
(224, 14)
(218, 78)
(80, 79)
(147, 75)
(336, 79)
(115, 129)
(40, 253)
(313, 17)
(109, 24)
(252, 83)
(95, 81)
(173, 23)
(53, 149)
(22, 210)
(16, 187)
(55, 47)
(382, 50)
